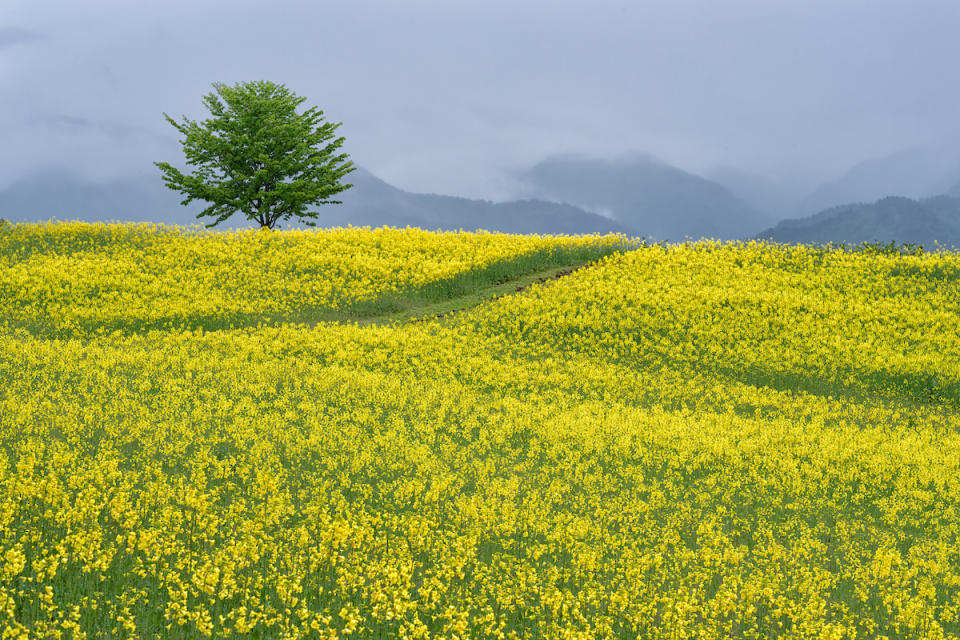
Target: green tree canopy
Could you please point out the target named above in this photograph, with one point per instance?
(258, 156)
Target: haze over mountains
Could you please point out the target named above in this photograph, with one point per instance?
(373, 202)
(903, 197)
(62, 196)
(930, 222)
(57, 194)
(752, 113)
(661, 201)
(906, 197)
(912, 173)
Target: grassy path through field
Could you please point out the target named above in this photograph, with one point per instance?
(413, 309)
(439, 299)
(439, 310)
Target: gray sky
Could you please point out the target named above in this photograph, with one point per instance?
(449, 97)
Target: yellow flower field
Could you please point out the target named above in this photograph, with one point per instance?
(687, 441)
(77, 278)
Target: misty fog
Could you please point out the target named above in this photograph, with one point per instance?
(788, 107)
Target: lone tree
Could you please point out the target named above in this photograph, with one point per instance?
(257, 155)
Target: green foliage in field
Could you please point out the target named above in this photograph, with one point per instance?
(258, 157)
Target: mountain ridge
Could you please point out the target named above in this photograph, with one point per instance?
(928, 221)
(61, 195)
(914, 173)
(647, 194)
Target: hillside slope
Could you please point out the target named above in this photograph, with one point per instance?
(705, 440)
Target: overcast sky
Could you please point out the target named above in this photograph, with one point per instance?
(450, 97)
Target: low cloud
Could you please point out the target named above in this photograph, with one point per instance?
(448, 98)
(64, 123)
(10, 36)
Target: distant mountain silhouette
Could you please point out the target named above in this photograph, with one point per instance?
(929, 222)
(656, 199)
(912, 173)
(373, 202)
(62, 196)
